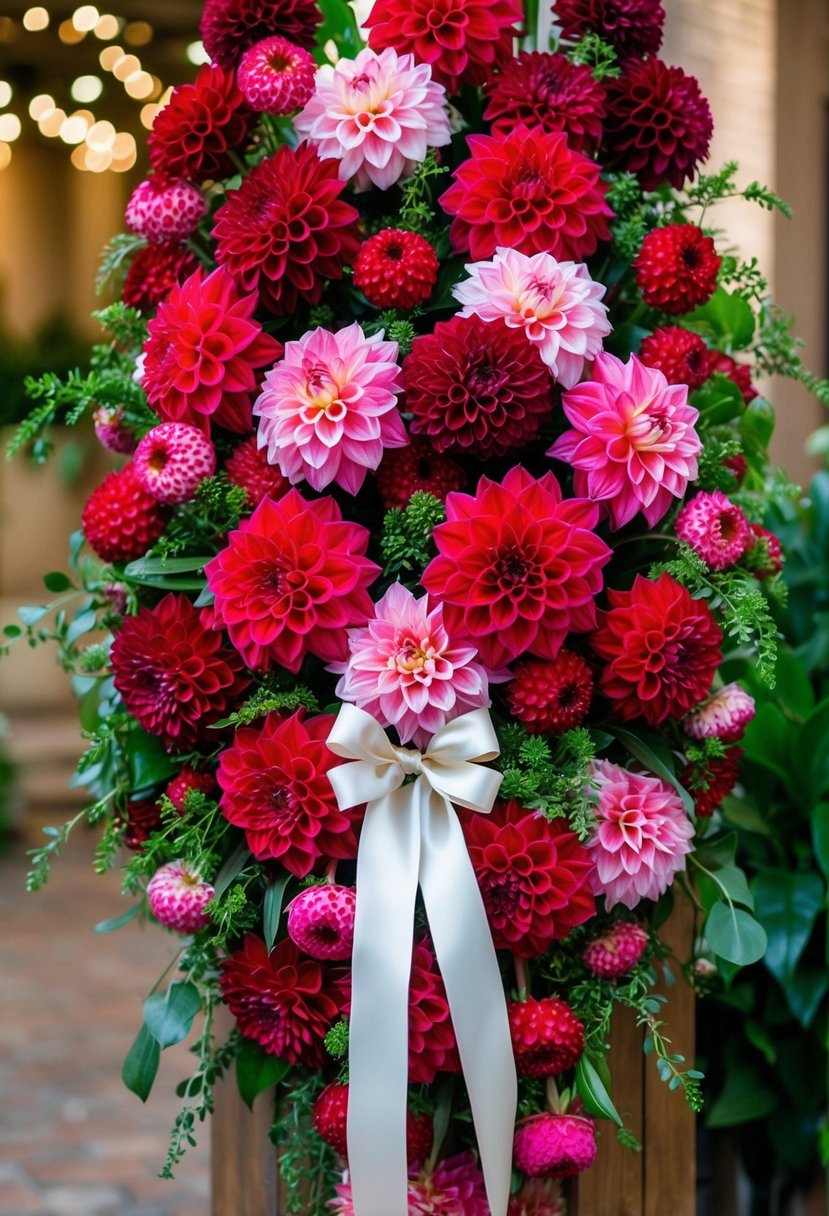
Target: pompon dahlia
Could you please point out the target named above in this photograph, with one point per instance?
(377, 115)
(556, 305)
(518, 567)
(187, 779)
(547, 1037)
(396, 269)
(404, 669)
(680, 354)
(321, 921)
(676, 268)
(641, 836)
(285, 232)
(418, 466)
(724, 716)
(281, 1000)
(328, 409)
(538, 89)
(329, 1119)
(715, 528)
(537, 1197)
(172, 460)
(554, 1146)
(177, 895)
(722, 364)
(275, 76)
(662, 649)
(617, 950)
(633, 442)
(153, 272)
(715, 781)
(291, 580)
(461, 40)
(476, 387)
(534, 877)
(274, 782)
(203, 351)
(120, 520)
(527, 190)
(632, 27)
(202, 124)
(658, 125)
(111, 430)
(247, 466)
(454, 1188)
(229, 27)
(550, 698)
(175, 676)
(432, 1047)
(165, 209)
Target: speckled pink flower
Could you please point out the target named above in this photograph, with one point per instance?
(378, 115)
(724, 715)
(633, 444)
(328, 410)
(405, 672)
(557, 305)
(641, 837)
(454, 1188)
(715, 528)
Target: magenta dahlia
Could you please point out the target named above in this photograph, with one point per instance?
(617, 950)
(153, 272)
(275, 76)
(554, 1145)
(178, 895)
(537, 89)
(676, 268)
(165, 209)
(229, 27)
(724, 715)
(632, 27)
(404, 471)
(680, 354)
(715, 528)
(432, 1047)
(172, 460)
(321, 921)
(455, 1187)
(199, 128)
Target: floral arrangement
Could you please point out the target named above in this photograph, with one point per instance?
(433, 395)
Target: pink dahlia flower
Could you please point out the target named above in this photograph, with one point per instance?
(378, 115)
(725, 715)
(641, 838)
(633, 444)
(454, 1188)
(328, 409)
(557, 305)
(715, 528)
(405, 672)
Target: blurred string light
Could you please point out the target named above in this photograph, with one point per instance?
(35, 19)
(196, 54)
(5, 94)
(86, 89)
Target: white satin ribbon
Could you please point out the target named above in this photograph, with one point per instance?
(411, 835)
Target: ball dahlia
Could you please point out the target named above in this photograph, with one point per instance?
(330, 1115)
(229, 27)
(461, 40)
(633, 442)
(455, 1187)
(172, 460)
(292, 579)
(377, 114)
(142, 817)
(175, 676)
(281, 1000)
(203, 351)
(178, 895)
(518, 567)
(321, 921)
(678, 353)
(715, 528)
(247, 466)
(724, 715)
(547, 1037)
(185, 780)
(165, 209)
(714, 782)
(527, 190)
(396, 269)
(537, 89)
(275, 76)
(676, 268)
(616, 951)
(285, 232)
(641, 837)
(556, 305)
(550, 698)
(719, 363)
(153, 272)
(203, 123)
(432, 1047)
(476, 387)
(554, 1146)
(632, 27)
(418, 466)
(328, 409)
(120, 520)
(534, 877)
(661, 649)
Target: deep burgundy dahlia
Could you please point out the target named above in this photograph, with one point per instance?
(551, 697)
(461, 40)
(247, 466)
(153, 272)
(543, 90)
(201, 125)
(120, 520)
(721, 364)
(680, 354)
(661, 649)
(527, 190)
(175, 676)
(715, 782)
(285, 232)
(418, 466)
(432, 1047)
(765, 557)
(632, 27)
(533, 874)
(476, 387)
(275, 786)
(282, 1000)
(229, 27)
(658, 124)
(143, 817)
(676, 268)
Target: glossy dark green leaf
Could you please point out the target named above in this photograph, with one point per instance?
(56, 581)
(272, 908)
(234, 865)
(718, 401)
(169, 1015)
(734, 935)
(593, 1092)
(339, 26)
(141, 1065)
(165, 565)
(746, 1097)
(820, 836)
(757, 425)
(787, 906)
(149, 763)
(12, 631)
(726, 318)
(768, 741)
(804, 992)
(257, 1071)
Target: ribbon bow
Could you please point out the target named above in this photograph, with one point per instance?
(411, 835)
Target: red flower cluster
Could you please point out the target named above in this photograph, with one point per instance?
(396, 269)
(229, 27)
(120, 520)
(716, 781)
(194, 135)
(538, 89)
(550, 698)
(719, 363)
(248, 467)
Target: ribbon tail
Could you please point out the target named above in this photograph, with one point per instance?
(469, 966)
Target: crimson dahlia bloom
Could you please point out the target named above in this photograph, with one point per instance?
(518, 567)
(432, 1047)
(229, 27)
(547, 91)
(676, 269)
(632, 27)
(292, 579)
(201, 125)
(153, 273)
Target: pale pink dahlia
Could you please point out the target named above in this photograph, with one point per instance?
(633, 444)
(454, 1188)
(715, 528)
(724, 715)
(641, 837)
(404, 670)
(378, 115)
(328, 409)
(557, 305)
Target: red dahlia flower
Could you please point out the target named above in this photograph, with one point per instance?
(719, 363)
(248, 467)
(153, 272)
(229, 27)
(292, 579)
(275, 786)
(476, 387)
(175, 676)
(715, 782)
(201, 125)
(461, 40)
(281, 1000)
(432, 1047)
(533, 874)
(547, 1037)
(285, 232)
(143, 817)
(518, 568)
(676, 268)
(547, 91)
(396, 269)
(527, 190)
(418, 466)
(680, 354)
(632, 27)
(551, 697)
(765, 557)
(202, 353)
(120, 520)
(662, 648)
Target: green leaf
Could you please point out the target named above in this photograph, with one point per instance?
(149, 763)
(272, 909)
(257, 1071)
(793, 688)
(804, 992)
(57, 581)
(593, 1093)
(820, 836)
(787, 906)
(169, 1015)
(118, 922)
(812, 749)
(718, 852)
(165, 565)
(757, 425)
(729, 880)
(339, 25)
(30, 614)
(234, 865)
(141, 1065)
(650, 751)
(12, 631)
(734, 935)
(768, 741)
(726, 318)
(745, 1098)
(718, 401)
(81, 623)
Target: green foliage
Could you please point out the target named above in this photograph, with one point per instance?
(407, 544)
(418, 193)
(549, 776)
(115, 260)
(307, 1165)
(275, 694)
(54, 347)
(202, 524)
(598, 55)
